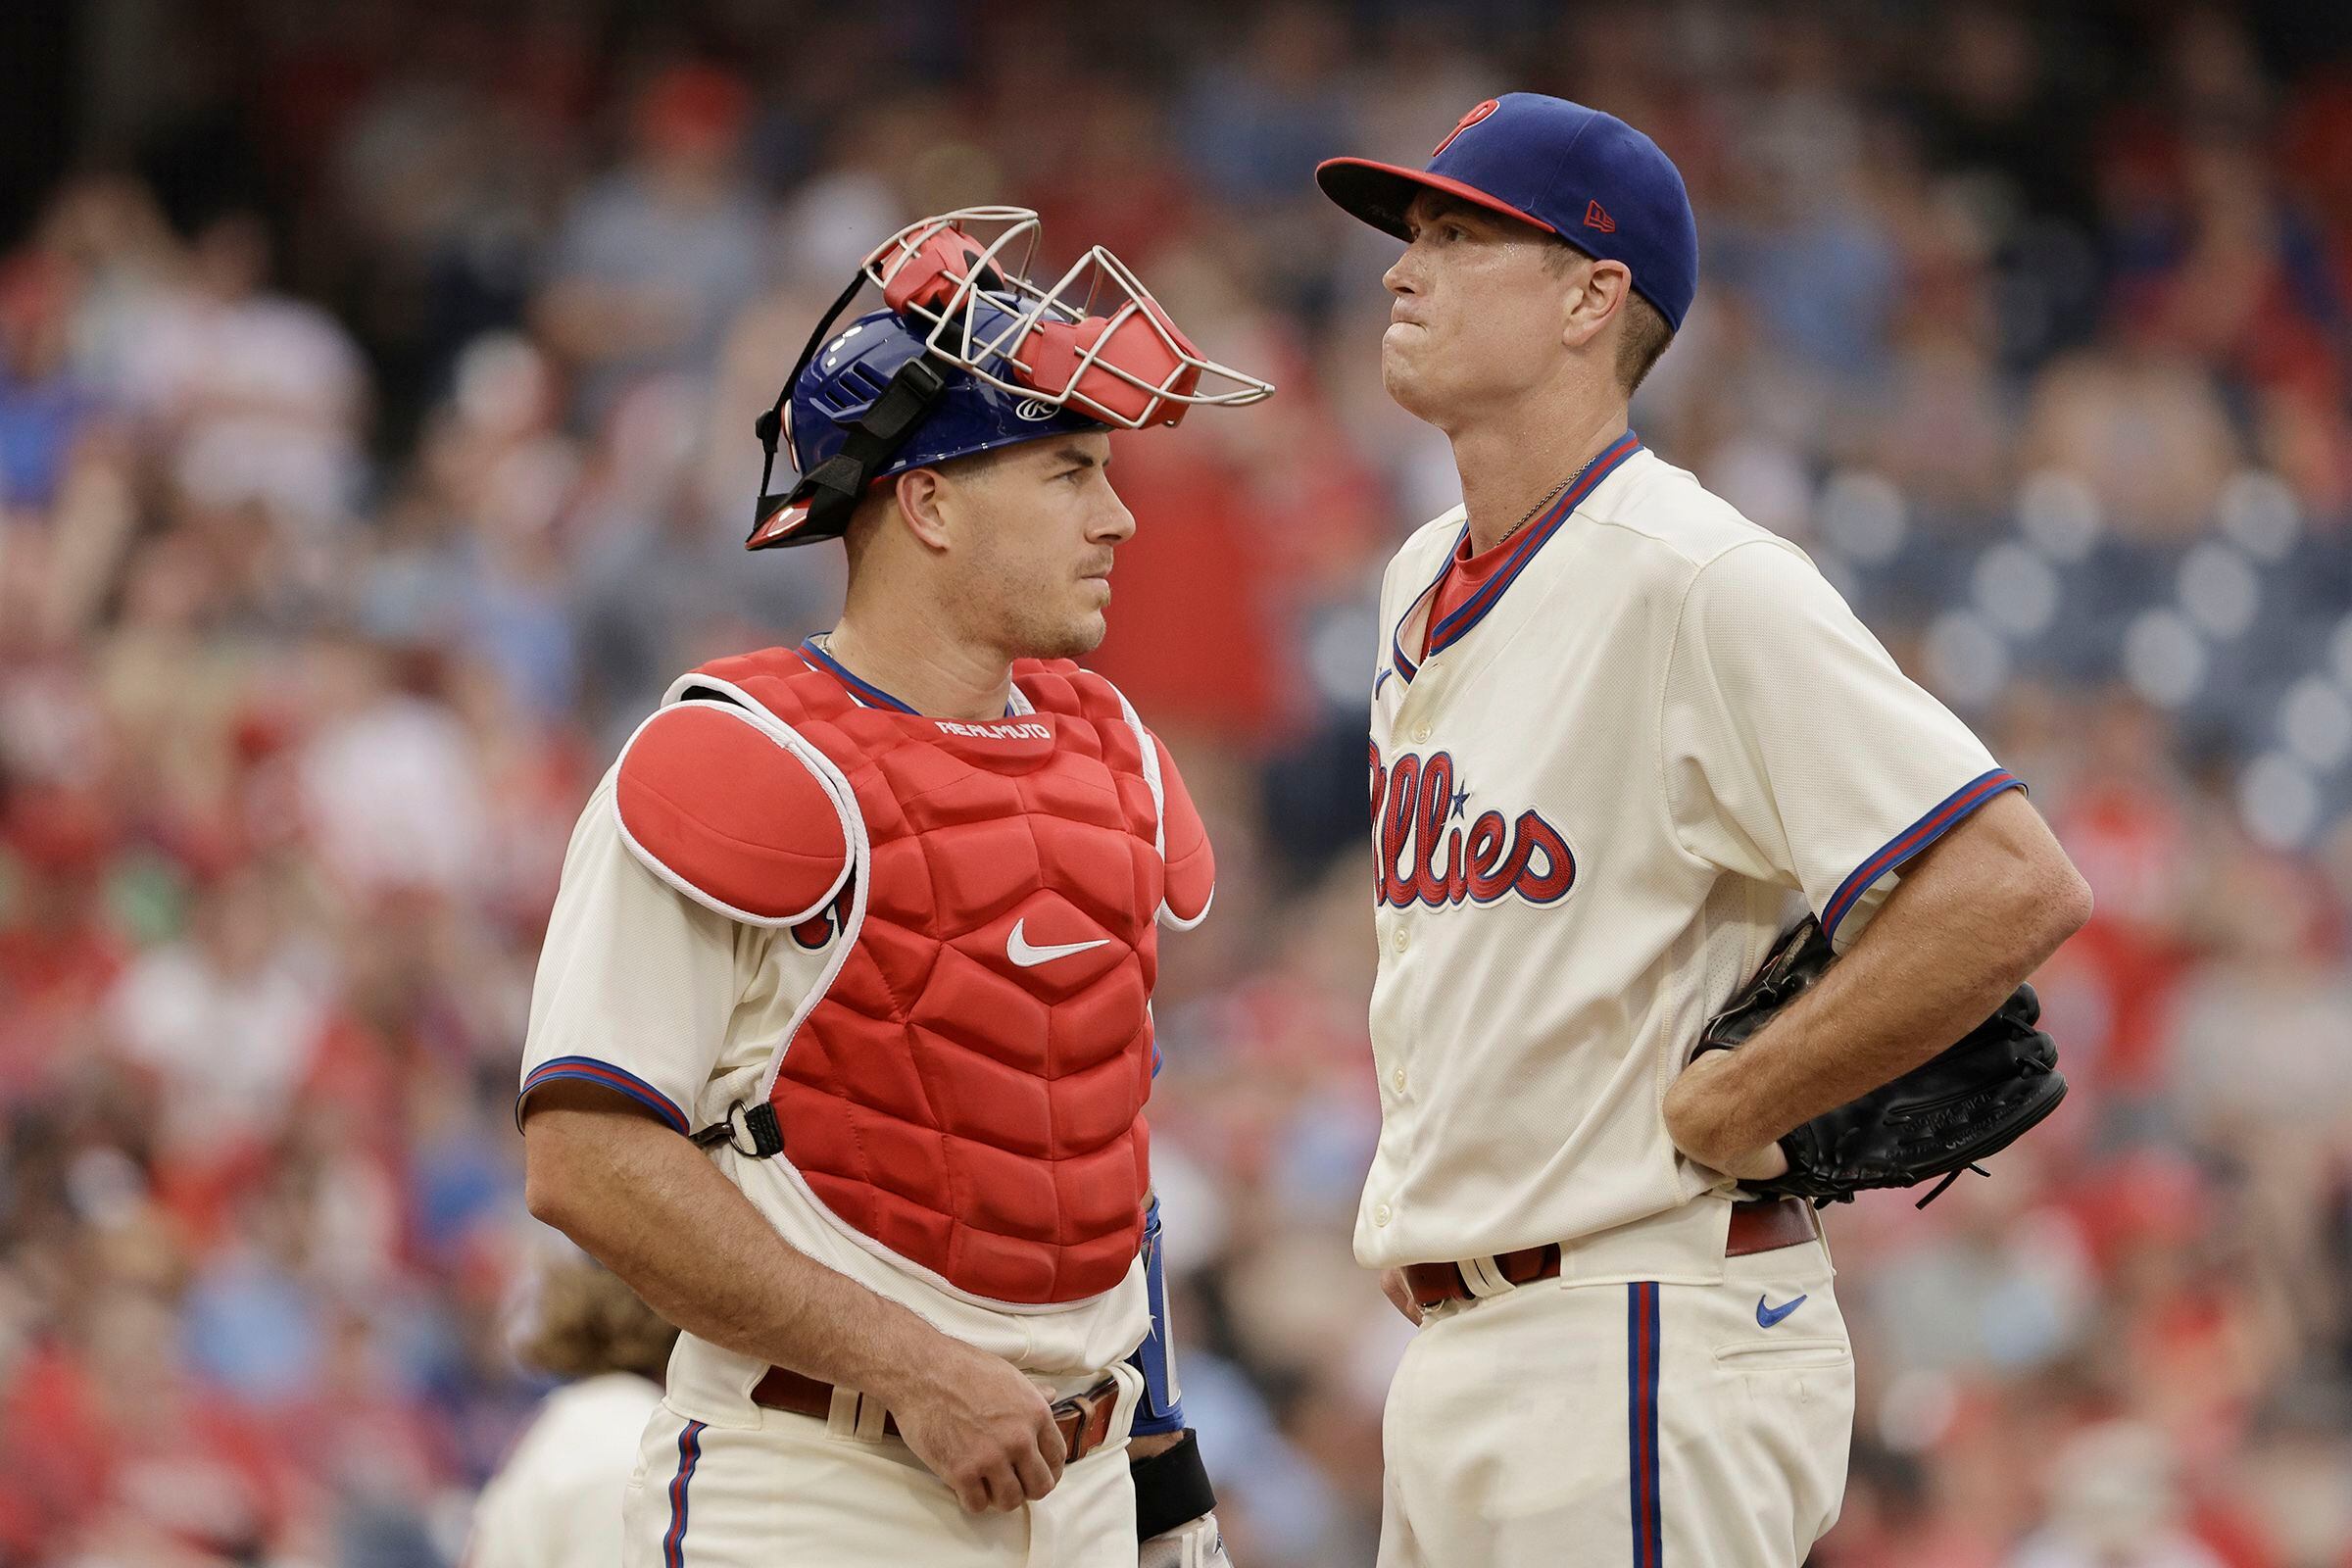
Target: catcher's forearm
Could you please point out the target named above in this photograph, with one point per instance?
(1971, 919)
(654, 1209)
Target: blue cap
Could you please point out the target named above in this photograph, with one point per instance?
(1585, 176)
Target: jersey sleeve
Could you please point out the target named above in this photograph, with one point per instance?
(1795, 749)
(636, 980)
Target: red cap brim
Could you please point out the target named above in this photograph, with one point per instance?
(1379, 193)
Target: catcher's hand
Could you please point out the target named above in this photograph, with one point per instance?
(1968, 1102)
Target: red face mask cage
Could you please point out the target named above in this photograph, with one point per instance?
(1126, 365)
(1095, 339)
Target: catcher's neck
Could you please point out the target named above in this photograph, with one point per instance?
(923, 664)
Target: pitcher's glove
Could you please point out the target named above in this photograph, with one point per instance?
(1939, 1119)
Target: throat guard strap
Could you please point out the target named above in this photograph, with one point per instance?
(832, 488)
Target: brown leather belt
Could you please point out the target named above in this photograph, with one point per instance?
(1083, 1419)
(1763, 1225)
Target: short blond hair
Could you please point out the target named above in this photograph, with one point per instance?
(584, 1321)
(1645, 337)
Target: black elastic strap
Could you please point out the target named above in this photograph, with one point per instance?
(833, 487)
(770, 427)
(1171, 1489)
(756, 1124)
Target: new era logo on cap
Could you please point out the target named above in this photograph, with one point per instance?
(1569, 170)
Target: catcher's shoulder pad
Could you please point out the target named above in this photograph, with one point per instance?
(719, 804)
(1062, 686)
(1192, 864)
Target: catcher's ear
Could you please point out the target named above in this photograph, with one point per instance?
(923, 498)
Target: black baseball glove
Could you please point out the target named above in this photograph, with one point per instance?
(1970, 1101)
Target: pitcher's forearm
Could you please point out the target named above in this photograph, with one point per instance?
(1978, 916)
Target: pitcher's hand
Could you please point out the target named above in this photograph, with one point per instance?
(1399, 1295)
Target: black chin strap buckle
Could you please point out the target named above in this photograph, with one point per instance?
(750, 1130)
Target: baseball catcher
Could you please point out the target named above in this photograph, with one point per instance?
(842, 1033)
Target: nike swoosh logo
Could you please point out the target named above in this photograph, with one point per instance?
(1767, 1316)
(1019, 950)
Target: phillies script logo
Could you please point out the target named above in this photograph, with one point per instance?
(1433, 852)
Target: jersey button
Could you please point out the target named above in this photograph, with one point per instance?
(1397, 1078)
(1402, 939)
(1381, 1214)
(1420, 732)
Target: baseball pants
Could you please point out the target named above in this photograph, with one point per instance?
(816, 1495)
(1624, 1425)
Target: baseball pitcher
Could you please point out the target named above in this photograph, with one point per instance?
(1622, 740)
(842, 1032)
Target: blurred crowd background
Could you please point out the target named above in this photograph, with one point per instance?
(376, 385)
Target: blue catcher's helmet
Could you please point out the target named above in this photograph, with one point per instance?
(859, 409)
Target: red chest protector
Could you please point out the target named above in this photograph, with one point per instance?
(964, 1089)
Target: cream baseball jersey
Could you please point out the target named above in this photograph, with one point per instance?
(1599, 788)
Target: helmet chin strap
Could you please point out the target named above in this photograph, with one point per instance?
(770, 427)
(828, 492)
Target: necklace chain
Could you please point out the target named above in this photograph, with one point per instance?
(1550, 495)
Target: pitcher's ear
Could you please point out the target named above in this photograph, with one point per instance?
(1587, 308)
